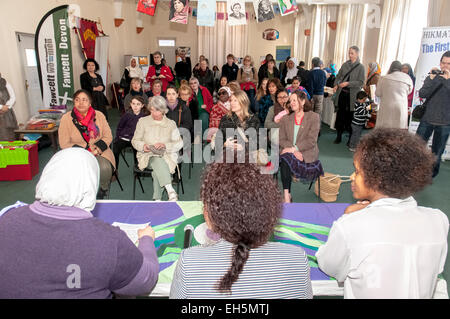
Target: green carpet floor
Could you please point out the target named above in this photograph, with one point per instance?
(334, 158)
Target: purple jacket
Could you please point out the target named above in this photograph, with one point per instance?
(127, 125)
(64, 252)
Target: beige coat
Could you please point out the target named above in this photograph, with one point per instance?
(148, 131)
(393, 90)
(69, 135)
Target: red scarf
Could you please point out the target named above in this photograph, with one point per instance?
(89, 122)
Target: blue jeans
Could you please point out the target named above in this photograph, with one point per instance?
(440, 137)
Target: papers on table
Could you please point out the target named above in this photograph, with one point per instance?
(131, 230)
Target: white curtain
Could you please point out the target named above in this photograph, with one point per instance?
(215, 43)
(438, 13)
(302, 23)
(401, 28)
(351, 30)
(321, 32)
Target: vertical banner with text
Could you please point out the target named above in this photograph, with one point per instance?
(54, 56)
(435, 42)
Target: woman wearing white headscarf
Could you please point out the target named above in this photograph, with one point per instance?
(55, 248)
(290, 71)
(132, 71)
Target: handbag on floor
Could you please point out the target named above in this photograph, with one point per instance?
(329, 186)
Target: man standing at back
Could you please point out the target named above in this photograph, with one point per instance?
(436, 119)
(183, 67)
(315, 85)
(230, 69)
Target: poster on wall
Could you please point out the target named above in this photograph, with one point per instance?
(206, 13)
(147, 6)
(435, 42)
(236, 12)
(179, 11)
(54, 57)
(287, 6)
(182, 51)
(263, 10)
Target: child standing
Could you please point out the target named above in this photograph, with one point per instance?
(360, 118)
(127, 126)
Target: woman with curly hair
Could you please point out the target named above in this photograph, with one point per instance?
(386, 246)
(242, 207)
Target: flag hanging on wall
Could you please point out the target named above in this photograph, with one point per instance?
(179, 11)
(147, 6)
(54, 57)
(236, 12)
(88, 34)
(206, 13)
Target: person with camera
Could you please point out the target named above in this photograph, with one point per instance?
(436, 118)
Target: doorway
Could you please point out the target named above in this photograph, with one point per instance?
(25, 44)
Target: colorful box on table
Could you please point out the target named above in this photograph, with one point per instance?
(19, 160)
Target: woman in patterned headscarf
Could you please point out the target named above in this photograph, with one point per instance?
(373, 77)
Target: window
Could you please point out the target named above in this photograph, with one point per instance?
(166, 42)
(31, 57)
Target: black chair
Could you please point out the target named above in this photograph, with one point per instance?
(147, 172)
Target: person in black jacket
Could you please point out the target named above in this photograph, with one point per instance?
(206, 76)
(302, 73)
(178, 111)
(270, 71)
(93, 83)
(230, 69)
(183, 67)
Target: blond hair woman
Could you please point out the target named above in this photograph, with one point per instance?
(238, 117)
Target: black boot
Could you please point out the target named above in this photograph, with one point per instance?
(338, 139)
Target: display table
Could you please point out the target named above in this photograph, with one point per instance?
(52, 133)
(306, 225)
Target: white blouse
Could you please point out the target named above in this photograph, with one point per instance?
(390, 249)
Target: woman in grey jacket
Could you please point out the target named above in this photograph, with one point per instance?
(348, 83)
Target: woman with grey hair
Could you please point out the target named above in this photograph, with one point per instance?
(393, 90)
(349, 81)
(158, 141)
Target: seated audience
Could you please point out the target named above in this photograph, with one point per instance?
(178, 111)
(386, 246)
(86, 128)
(268, 100)
(132, 71)
(219, 110)
(185, 94)
(263, 68)
(159, 71)
(230, 69)
(260, 92)
(299, 152)
(278, 110)
(55, 248)
(295, 86)
(206, 77)
(271, 72)
(223, 81)
(127, 126)
(158, 141)
(135, 90)
(242, 206)
(156, 89)
(248, 80)
(289, 71)
(204, 102)
(238, 118)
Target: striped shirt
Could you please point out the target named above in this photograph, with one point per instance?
(361, 114)
(274, 270)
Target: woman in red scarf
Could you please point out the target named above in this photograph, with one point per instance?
(87, 128)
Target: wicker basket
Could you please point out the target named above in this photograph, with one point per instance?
(329, 186)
